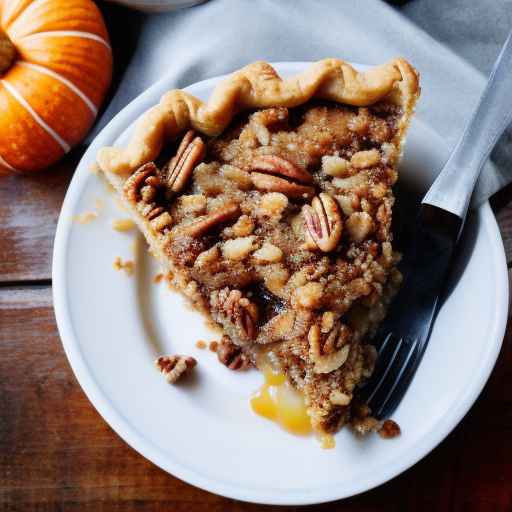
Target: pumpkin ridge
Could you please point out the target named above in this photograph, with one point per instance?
(68, 83)
(26, 9)
(12, 12)
(70, 33)
(7, 165)
(37, 118)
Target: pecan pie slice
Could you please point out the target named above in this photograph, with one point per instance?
(273, 215)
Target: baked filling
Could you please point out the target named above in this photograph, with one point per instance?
(278, 229)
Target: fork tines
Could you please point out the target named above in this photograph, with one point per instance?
(396, 359)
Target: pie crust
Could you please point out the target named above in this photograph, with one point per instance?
(259, 86)
(273, 216)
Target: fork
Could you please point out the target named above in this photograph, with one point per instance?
(402, 339)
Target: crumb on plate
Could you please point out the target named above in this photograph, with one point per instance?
(85, 217)
(123, 225)
(128, 266)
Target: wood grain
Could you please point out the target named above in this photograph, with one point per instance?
(29, 209)
(56, 453)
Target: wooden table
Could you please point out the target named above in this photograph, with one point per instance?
(57, 453)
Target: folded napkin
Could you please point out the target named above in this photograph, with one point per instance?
(220, 36)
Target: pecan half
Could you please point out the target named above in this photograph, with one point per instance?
(190, 153)
(270, 183)
(275, 174)
(204, 224)
(232, 356)
(138, 180)
(272, 164)
(174, 367)
(233, 307)
(323, 223)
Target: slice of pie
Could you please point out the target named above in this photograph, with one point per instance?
(270, 205)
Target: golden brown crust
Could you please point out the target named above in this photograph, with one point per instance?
(259, 86)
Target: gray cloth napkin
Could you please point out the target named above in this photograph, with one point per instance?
(222, 35)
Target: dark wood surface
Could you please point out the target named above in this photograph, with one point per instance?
(57, 453)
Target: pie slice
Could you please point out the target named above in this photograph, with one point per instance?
(271, 207)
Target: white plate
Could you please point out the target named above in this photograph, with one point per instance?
(113, 326)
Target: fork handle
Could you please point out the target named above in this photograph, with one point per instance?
(453, 187)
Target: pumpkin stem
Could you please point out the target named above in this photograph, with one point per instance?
(7, 53)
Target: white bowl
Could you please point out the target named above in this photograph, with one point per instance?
(112, 327)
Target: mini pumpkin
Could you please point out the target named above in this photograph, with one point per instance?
(55, 68)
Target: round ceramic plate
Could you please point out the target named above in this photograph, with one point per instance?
(113, 326)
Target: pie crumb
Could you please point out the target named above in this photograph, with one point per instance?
(389, 429)
(158, 278)
(327, 441)
(123, 225)
(128, 266)
(201, 344)
(214, 345)
(85, 217)
(174, 367)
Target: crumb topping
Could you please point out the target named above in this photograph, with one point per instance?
(279, 230)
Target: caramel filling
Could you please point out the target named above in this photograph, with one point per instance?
(278, 401)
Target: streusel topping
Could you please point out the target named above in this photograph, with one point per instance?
(279, 230)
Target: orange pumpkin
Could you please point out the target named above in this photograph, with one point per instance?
(55, 68)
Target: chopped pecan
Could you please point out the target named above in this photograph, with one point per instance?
(174, 367)
(153, 181)
(323, 223)
(329, 346)
(270, 183)
(154, 212)
(233, 307)
(389, 429)
(231, 355)
(272, 164)
(137, 180)
(190, 153)
(148, 193)
(275, 174)
(204, 224)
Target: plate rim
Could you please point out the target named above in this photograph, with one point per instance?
(144, 446)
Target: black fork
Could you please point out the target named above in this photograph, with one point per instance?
(403, 338)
